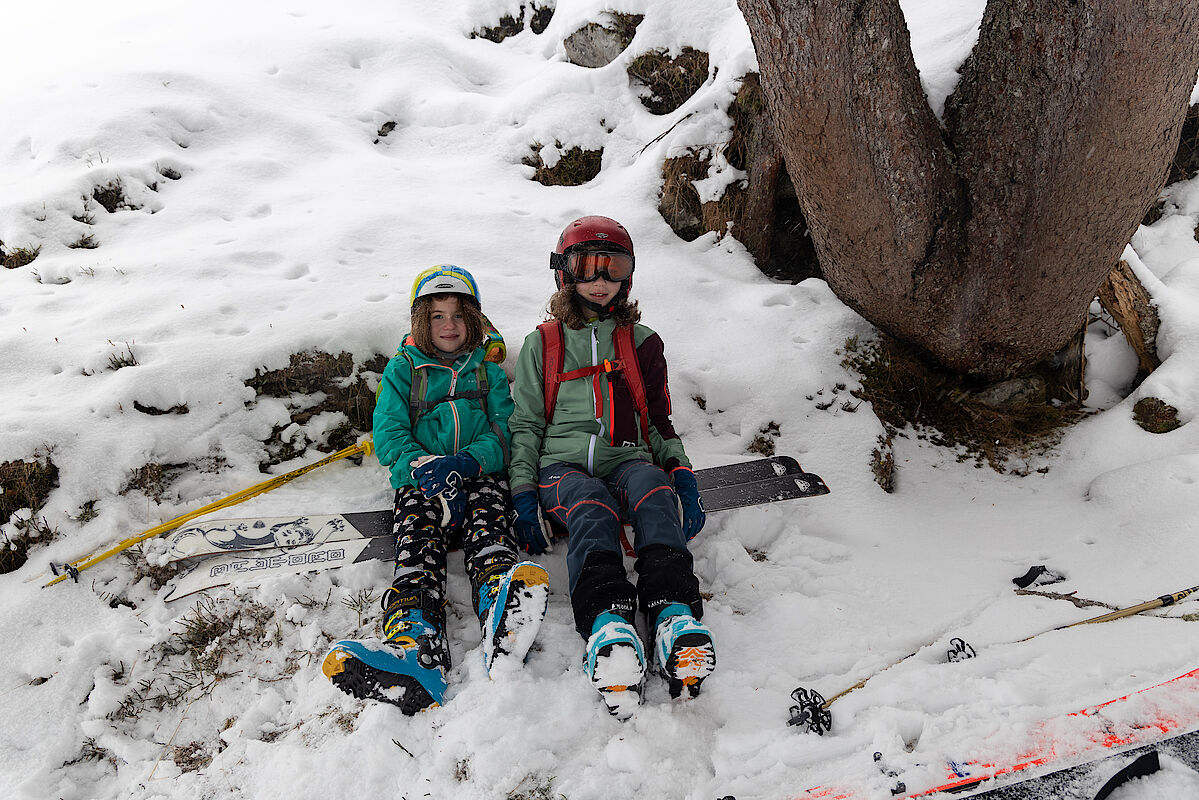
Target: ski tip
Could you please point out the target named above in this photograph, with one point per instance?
(811, 484)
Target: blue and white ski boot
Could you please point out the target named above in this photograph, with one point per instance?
(683, 651)
(615, 663)
(510, 611)
(407, 669)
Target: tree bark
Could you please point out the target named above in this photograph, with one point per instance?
(1125, 298)
(983, 241)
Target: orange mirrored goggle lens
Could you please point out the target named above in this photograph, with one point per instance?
(586, 267)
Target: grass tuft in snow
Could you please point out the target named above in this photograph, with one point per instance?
(363, 603)
(535, 787)
(574, 167)
(158, 575)
(121, 360)
(669, 82)
(85, 242)
(153, 479)
(763, 442)
(111, 196)
(192, 757)
(192, 661)
(314, 383)
(18, 257)
(24, 485)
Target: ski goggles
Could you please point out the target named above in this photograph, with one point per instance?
(587, 266)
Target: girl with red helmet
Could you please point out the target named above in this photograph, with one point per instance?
(603, 449)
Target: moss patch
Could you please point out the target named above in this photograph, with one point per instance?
(951, 410)
(1155, 416)
(669, 81)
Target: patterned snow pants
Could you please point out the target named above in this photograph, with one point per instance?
(486, 539)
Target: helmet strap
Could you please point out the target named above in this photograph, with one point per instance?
(604, 311)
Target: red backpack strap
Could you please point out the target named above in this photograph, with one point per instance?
(626, 354)
(553, 356)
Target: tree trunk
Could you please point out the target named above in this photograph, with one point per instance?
(982, 242)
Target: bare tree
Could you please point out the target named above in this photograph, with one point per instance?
(982, 240)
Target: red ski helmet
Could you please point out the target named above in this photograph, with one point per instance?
(593, 231)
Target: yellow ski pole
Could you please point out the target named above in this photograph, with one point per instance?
(72, 569)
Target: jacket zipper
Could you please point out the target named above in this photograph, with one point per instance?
(596, 390)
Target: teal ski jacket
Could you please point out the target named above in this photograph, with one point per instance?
(449, 427)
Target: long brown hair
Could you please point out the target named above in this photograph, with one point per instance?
(564, 305)
(422, 317)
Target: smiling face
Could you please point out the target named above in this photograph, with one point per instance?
(447, 327)
(599, 291)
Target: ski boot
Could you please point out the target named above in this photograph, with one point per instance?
(615, 663)
(511, 607)
(407, 669)
(683, 650)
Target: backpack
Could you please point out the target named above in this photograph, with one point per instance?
(553, 356)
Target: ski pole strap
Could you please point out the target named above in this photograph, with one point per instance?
(365, 447)
(1146, 764)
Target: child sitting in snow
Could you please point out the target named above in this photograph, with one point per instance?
(596, 455)
(440, 425)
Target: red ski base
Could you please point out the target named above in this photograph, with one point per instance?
(1143, 717)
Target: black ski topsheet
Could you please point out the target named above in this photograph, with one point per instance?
(719, 487)
(303, 544)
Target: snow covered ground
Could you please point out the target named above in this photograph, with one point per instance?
(268, 217)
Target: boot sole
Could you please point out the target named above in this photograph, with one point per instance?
(621, 693)
(692, 659)
(345, 667)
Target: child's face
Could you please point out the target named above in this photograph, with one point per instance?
(447, 328)
(598, 291)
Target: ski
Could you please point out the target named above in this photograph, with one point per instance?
(1089, 780)
(291, 545)
(718, 487)
(1063, 749)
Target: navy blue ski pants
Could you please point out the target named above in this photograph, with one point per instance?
(591, 509)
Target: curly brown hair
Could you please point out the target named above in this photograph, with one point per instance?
(564, 305)
(422, 313)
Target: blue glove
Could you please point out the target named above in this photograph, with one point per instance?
(693, 510)
(530, 527)
(436, 474)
